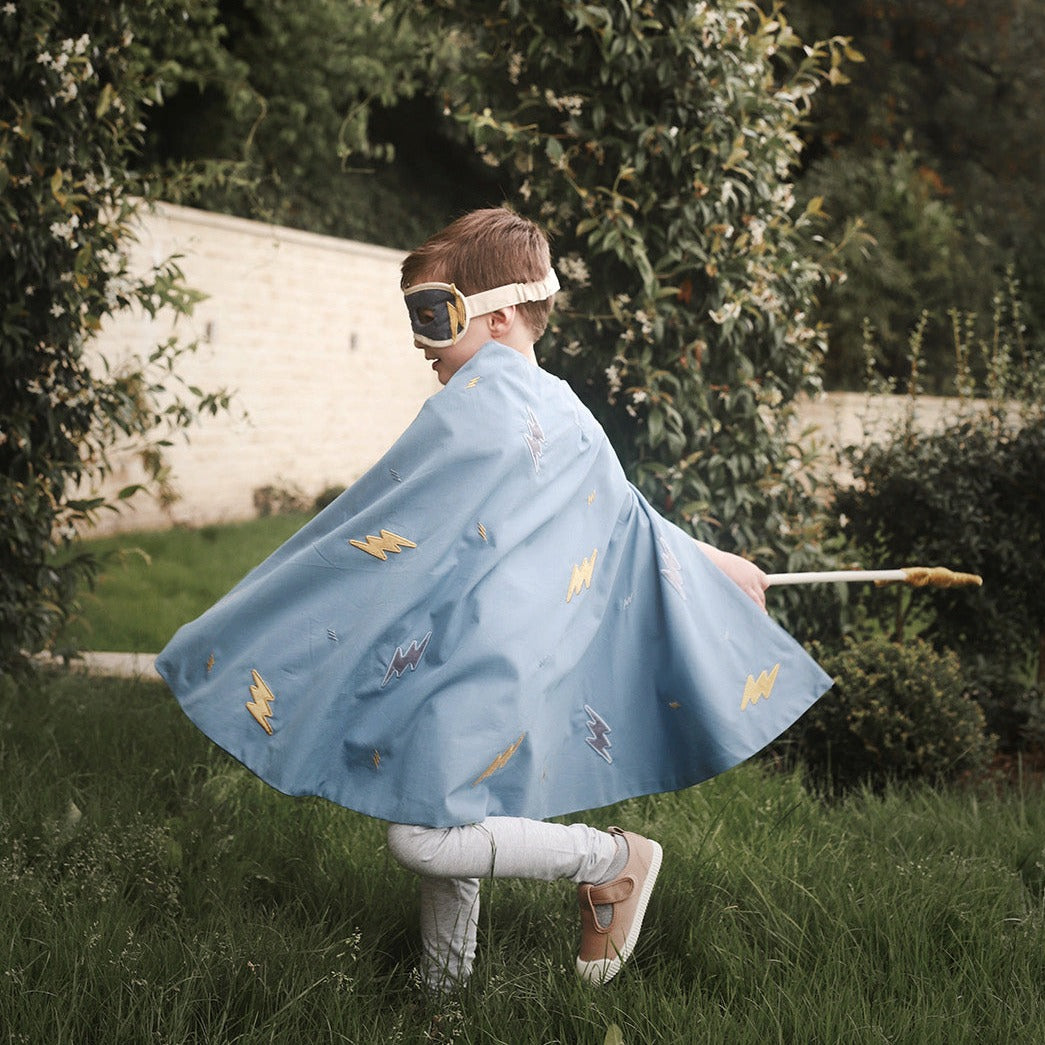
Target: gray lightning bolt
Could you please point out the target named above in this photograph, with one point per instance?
(535, 439)
(402, 660)
(672, 568)
(599, 741)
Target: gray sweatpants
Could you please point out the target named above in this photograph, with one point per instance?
(452, 860)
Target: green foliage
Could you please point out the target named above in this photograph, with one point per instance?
(905, 248)
(73, 86)
(944, 115)
(283, 498)
(895, 713)
(968, 494)
(655, 142)
(270, 117)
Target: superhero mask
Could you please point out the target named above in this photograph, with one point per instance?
(440, 313)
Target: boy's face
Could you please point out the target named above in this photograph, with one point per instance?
(447, 361)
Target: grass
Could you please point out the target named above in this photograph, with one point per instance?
(152, 890)
(152, 583)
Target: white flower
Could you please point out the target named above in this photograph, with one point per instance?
(639, 395)
(515, 63)
(9, 9)
(45, 58)
(575, 270)
(730, 310)
(57, 310)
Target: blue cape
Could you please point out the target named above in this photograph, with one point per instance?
(491, 621)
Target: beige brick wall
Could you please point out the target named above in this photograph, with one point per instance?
(310, 333)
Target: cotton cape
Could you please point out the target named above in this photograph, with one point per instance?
(491, 621)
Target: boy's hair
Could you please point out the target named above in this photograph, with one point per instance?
(482, 250)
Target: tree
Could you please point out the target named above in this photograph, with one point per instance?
(73, 86)
(938, 147)
(270, 116)
(656, 143)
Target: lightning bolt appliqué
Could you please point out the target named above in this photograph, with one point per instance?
(760, 688)
(535, 439)
(580, 578)
(671, 571)
(409, 659)
(387, 542)
(261, 704)
(500, 761)
(599, 741)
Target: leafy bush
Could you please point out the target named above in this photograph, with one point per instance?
(967, 495)
(280, 498)
(73, 85)
(656, 143)
(896, 713)
(911, 251)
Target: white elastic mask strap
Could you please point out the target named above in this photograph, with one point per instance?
(511, 294)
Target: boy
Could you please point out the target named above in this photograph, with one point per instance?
(492, 627)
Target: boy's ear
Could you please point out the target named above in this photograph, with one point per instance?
(501, 320)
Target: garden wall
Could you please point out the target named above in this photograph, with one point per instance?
(311, 334)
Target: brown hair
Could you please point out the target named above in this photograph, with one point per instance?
(482, 250)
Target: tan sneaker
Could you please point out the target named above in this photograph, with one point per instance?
(606, 946)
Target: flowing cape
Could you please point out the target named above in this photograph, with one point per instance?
(491, 621)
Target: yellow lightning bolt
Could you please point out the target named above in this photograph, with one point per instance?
(261, 706)
(387, 542)
(472, 383)
(591, 497)
(581, 576)
(456, 318)
(500, 761)
(756, 689)
(210, 663)
(482, 531)
(376, 759)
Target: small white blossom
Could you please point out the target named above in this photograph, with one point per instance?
(57, 310)
(515, 63)
(574, 269)
(730, 310)
(9, 9)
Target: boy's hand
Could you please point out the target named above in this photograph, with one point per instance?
(746, 575)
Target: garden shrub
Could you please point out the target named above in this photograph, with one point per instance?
(74, 82)
(280, 498)
(968, 495)
(896, 713)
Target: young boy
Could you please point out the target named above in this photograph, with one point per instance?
(492, 627)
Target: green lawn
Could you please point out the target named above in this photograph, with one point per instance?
(152, 583)
(152, 890)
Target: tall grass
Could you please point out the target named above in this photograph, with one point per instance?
(152, 583)
(152, 890)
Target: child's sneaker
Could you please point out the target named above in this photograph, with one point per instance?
(607, 942)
